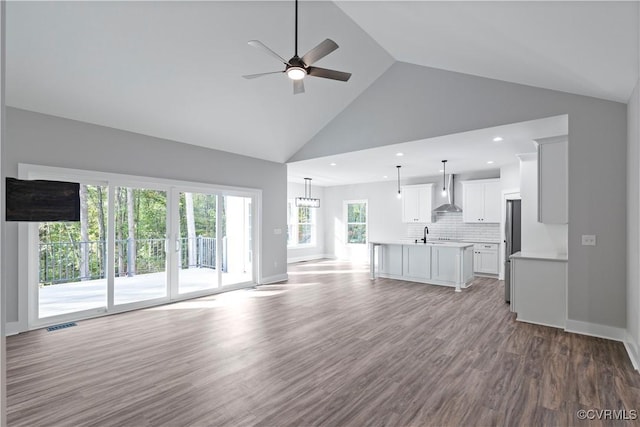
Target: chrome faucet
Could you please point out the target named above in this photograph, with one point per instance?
(424, 234)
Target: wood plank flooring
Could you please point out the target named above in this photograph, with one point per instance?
(329, 347)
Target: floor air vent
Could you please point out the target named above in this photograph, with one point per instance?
(61, 326)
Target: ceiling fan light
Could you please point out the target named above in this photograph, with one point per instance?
(296, 73)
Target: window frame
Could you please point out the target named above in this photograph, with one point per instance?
(345, 209)
(293, 237)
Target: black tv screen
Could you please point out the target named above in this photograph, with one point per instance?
(40, 200)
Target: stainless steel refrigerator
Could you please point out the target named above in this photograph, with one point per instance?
(511, 242)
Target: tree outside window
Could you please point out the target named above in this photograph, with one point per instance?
(356, 221)
(302, 225)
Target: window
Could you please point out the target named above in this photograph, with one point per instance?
(356, 213)
(302, 225)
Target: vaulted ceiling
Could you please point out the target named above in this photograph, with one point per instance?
(172, 69)
(587, 48)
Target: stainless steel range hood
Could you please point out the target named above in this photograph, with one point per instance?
(450, 206)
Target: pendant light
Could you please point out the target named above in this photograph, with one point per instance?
(399, 192)
(444, 178)
(307, 201)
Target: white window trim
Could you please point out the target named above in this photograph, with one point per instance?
(314, 228)
(345, 215)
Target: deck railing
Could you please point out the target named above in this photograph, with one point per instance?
(65, 262)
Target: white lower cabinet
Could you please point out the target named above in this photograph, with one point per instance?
(417, 261)
(539, 290)
(390, 261)
(452, 265)
(485, 258)
(443, 263)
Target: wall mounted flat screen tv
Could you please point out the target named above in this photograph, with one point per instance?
(40, 200)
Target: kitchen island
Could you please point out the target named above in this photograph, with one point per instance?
(435, 262)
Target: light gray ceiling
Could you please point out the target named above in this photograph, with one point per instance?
(465, 152)
(172, 69)
(587, 48)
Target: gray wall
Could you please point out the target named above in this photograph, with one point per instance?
(411, 102)
(384, 217)
(3, 342)
(52, 141)
(633, 217)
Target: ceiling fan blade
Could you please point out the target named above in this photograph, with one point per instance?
(258, 44)
(253, 76)
(298, 86)
(329, 74)
(319, 52)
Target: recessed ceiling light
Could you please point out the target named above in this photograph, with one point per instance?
(490, 162)
(399, 154)
(332, 164)
(497, 139)
(385, 176)
(441, 170)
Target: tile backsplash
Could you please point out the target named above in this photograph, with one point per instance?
(450, 226)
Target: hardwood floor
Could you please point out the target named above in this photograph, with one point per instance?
(328, 348)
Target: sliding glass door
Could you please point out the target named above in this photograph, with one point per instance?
(206, 262)
(72, 258)
(236, 240)
(197, 244)
(138, 244)
(140, 247)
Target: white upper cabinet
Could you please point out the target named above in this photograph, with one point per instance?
(553, 180)
(481, 201)
(472, 202)
(417, 202)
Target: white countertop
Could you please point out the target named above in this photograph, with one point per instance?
(429, 243)
(480, 241)
(540, 256)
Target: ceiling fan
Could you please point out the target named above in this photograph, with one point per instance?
(298, 68)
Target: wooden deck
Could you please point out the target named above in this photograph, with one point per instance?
(71, 297)
(329, 347)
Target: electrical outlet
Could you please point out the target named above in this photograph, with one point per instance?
(277, 231)
(588, 240)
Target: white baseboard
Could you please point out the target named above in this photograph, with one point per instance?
(549, 325)
(316, 257)
(13, 328)
(274, 279)
(632, 350)
(596, 330)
